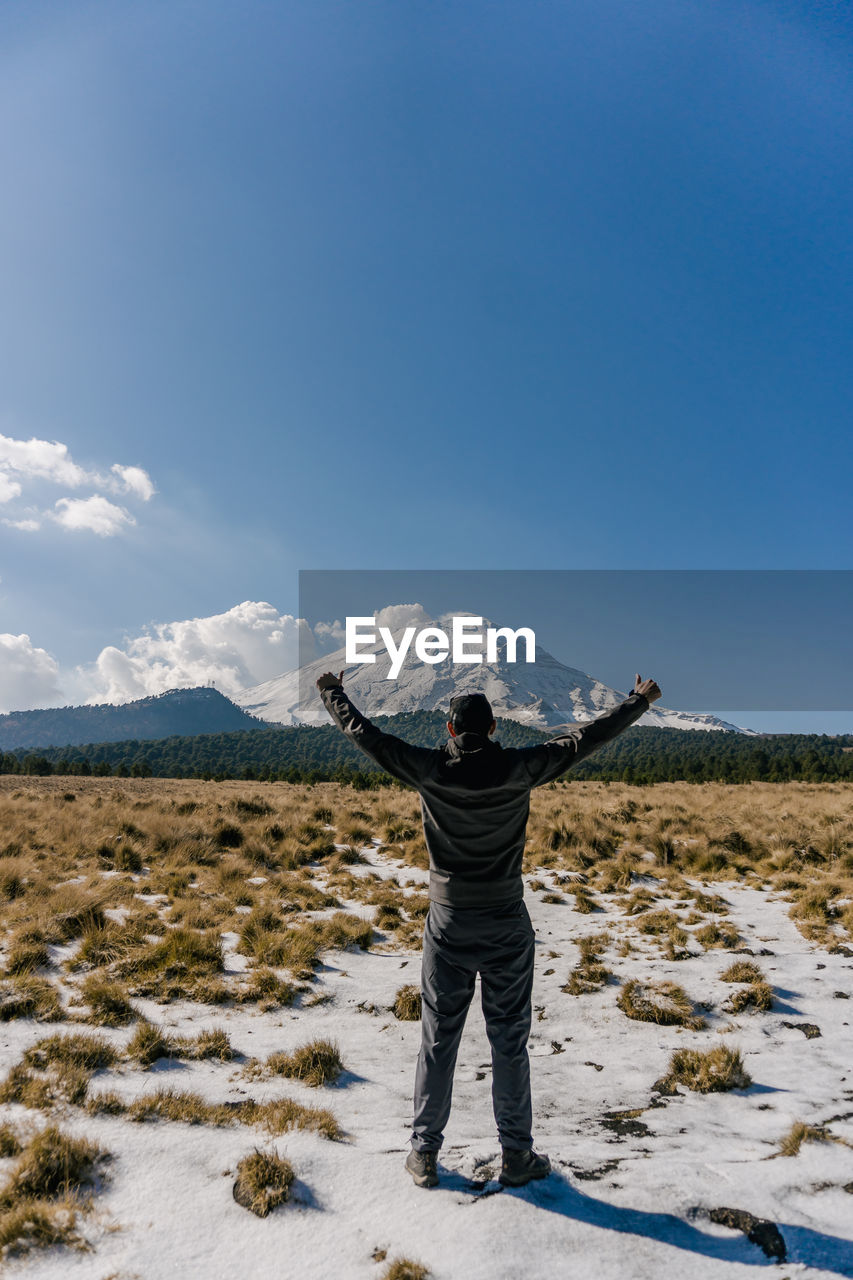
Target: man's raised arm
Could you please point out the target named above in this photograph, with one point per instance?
(395, 756)
(554, 757)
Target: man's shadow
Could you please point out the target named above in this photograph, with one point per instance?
(556, 1194)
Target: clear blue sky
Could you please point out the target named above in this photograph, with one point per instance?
(428, 285)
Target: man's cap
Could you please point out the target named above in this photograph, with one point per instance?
(471, 713)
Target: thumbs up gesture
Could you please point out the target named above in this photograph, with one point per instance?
(330, 681)
(648, 688)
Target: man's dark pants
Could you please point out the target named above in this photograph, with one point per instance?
(498, 944)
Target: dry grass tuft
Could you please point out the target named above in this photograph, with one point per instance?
(267, 988)
(108, 1002)
(213, 1043)
(26, 955)
(718, 935)
(38, 1224)
(56, 1069)
(405, 1269)
(314, 1064)
(28, 1090)
(30, 997)
(173, 1104)
(756, 995)
(666, 927)
(297, 947)
(263, 1182)
(105, 1104)
(584, 902)
(181, 965)
(77, 1049)
(13, 879)
(265, 937)
(742, 971)
(800, 1133)
(49, 1184)
(284, 1114)
(53, 1164)
(589, 974)
(69, 912)
(10, 1142)
(407, 1004)
(344, 930)
(638, 901)
(121, 856)
(615, 877)
(255, 806)
(388, 917)
(181, 1106)
(714, 1071)
(149, 1043)
(107, 943)
(665, 1003)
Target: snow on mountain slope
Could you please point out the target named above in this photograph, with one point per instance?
(544, 694)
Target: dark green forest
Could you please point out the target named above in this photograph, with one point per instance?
(313, 754)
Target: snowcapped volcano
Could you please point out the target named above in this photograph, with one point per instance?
(544, 693)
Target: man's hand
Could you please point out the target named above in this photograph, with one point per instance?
(329, 681)
(648, 688)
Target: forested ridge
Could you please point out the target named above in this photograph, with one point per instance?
(178, 711)
(321, 753)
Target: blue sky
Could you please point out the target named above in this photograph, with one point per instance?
(489, 285)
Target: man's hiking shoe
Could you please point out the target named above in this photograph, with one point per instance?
(422, 1166)
(519, 1167)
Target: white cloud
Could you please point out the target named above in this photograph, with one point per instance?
(243, 647)
(330, 636)
(134, 480)
(30, 462)
(26, 524)
(28, 676)
(396, 616)
(9, 488)
(96, 514)
(248, 645)
(42, 459)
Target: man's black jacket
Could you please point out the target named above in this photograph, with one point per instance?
(475, 794)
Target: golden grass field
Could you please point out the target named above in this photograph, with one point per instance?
(113, 890)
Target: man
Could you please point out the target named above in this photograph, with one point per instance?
(475, 800)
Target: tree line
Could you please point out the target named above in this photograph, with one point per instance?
(307, 753)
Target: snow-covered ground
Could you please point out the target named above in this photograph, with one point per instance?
(629, 1196)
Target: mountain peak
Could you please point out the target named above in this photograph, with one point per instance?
(544, 694)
